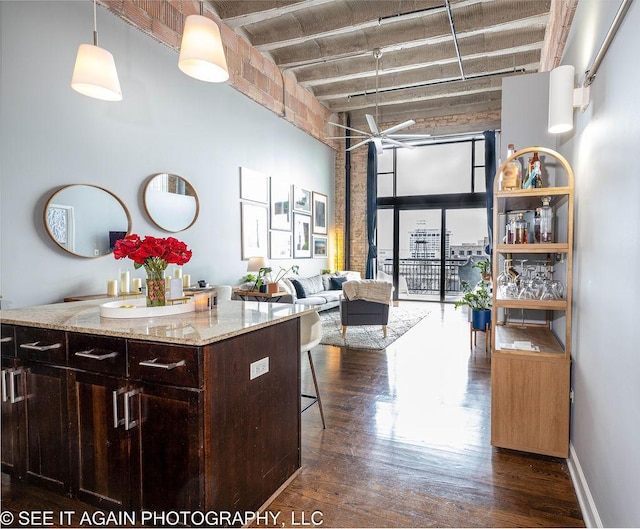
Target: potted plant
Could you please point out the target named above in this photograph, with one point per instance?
(273, 284)
(260, 279)
(478, 299)
(484, 267)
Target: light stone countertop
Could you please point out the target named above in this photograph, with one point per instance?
(226, 320)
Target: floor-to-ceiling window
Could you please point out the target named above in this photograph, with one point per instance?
(432, 220)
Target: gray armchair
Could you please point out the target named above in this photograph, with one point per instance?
(361, 312)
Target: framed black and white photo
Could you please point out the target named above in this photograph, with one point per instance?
(301, 235)
(280, 205)
(319, 213)
(320, 246)
(280, 246)
(301, 199)
(254, 234)
(254, 186)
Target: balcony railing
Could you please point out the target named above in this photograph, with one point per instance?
(422, 276)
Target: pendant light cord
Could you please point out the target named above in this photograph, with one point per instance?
(95, 24)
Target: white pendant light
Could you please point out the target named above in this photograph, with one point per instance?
(95, 73)
(561, 99)
(201, 52)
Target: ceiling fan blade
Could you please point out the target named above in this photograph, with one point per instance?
(345, 137)
(372, 123)
(359, 144)
(403, 125)
(378, 142)
(349, 128)
(396, 143)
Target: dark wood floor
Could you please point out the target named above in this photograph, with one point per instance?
(407, 444)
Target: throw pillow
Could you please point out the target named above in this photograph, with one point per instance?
(316, 285)
(300, 293)
(336, 282)
(285, 284)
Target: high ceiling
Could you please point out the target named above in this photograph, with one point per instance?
(439, 57)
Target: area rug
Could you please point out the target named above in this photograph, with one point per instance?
(401, 319)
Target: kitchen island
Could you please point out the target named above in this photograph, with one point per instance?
(193, 412)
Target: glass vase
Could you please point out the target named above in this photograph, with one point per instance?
(155, 288)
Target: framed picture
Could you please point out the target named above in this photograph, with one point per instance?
(301, 235)
(254, 185)
(301, 199)
(319, 213)
(280, 205)
(280, 245)
(254, 232)
(320, 244)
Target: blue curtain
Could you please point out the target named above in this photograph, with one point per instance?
(372, 209)
(489, 175)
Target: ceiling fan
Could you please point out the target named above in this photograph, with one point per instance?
(377, 136)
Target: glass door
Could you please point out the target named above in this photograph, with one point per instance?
(431, 267)
(420, 253)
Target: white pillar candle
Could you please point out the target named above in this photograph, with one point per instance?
(177, 272)
(136, 284)
(186, 281)
(167, 284)
(124, 281)
(175, 292)
(112, 287)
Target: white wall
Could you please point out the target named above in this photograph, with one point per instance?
(168, 122)
(602, 149)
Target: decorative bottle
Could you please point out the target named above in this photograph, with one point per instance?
(511, 176)
(534, 173)
(546, 221)
(536, 226)
(521, 230)
(537, 170)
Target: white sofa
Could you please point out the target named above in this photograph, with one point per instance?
(318, 291)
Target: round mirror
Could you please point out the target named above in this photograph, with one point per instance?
(86, 220)
(171, 202)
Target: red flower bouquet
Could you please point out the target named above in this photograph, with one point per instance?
(155, 254)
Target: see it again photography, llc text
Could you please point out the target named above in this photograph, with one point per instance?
(163, 519)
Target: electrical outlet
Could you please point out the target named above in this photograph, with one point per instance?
(259, 368)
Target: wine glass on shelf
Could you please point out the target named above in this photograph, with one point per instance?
(506, 283)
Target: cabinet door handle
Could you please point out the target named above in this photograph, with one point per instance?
(6, 339)
(154, 363)
(3, 381)
(12, 385)
(89, 354)
(34, 346)
(128, 423)
(116, 420)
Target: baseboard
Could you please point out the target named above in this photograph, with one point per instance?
(585, 499)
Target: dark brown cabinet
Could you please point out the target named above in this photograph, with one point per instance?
(12, 405)
(132, 437)
(168, 447)
(140, 425)
(99, 447)
(35, 443)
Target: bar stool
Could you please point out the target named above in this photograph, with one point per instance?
(310, 336)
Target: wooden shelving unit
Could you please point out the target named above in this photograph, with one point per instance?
(530, 386)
